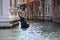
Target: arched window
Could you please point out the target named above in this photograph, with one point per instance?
(31, 5)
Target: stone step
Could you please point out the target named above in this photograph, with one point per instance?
(9, 23)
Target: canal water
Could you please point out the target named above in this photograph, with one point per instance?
(36, 31)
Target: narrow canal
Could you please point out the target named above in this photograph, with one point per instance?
(36, 31)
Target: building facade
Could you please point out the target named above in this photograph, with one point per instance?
(33, 8)
(56, 8)
(13, 9)
(37, 9)
(47, 10)
(52, 10)
(8, 12)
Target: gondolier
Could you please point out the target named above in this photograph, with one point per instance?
(22, 16)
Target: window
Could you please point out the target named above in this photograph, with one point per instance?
(58, 2)
(14, 3)
(23, 0)
(10, 3)
(23, 6)
(31, 5)
(38, 3)
(54, 3)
